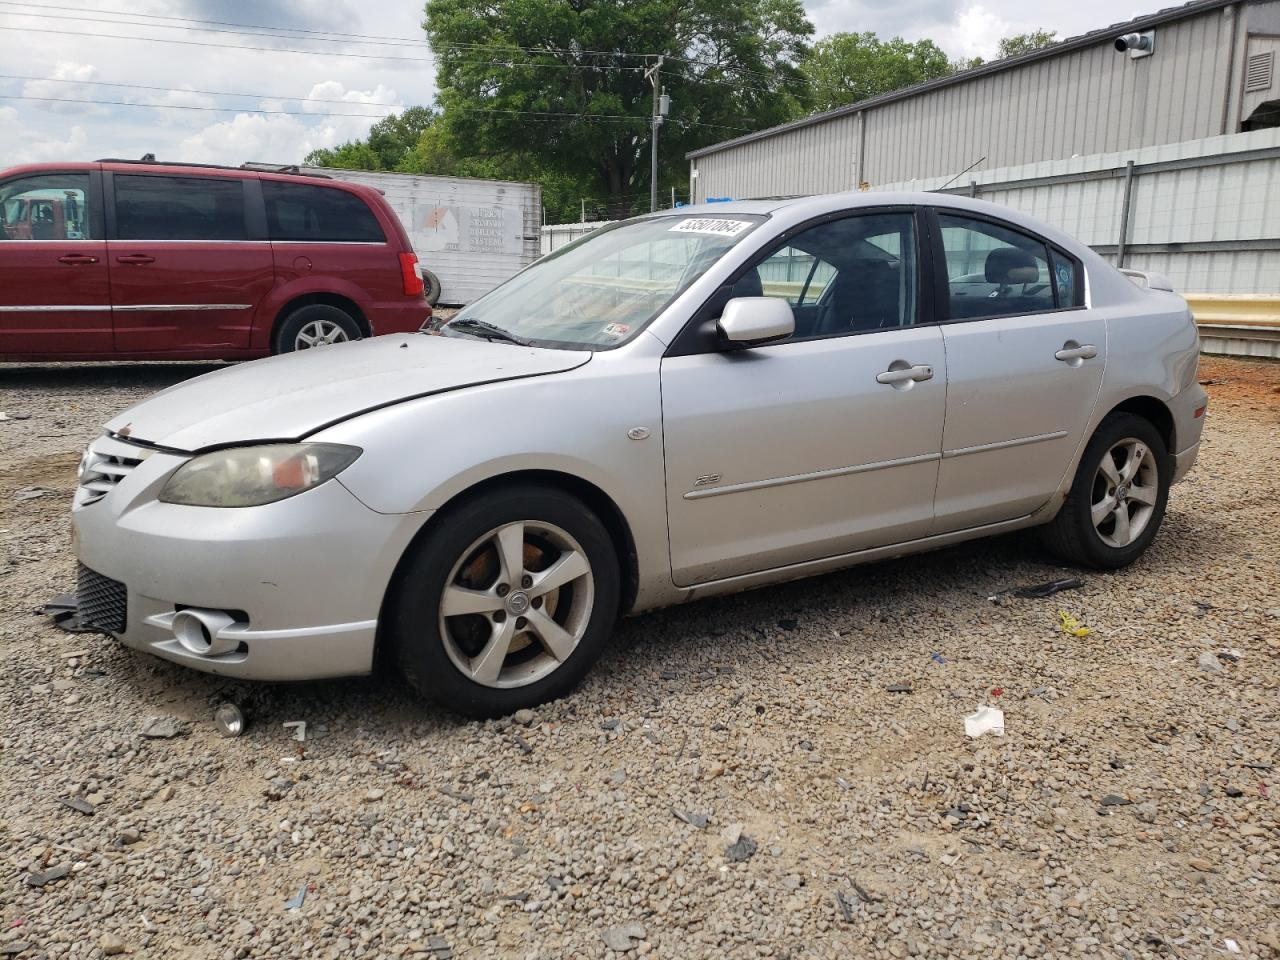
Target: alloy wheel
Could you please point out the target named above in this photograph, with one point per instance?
(319, 333)
(516, 604)
(1125, 490)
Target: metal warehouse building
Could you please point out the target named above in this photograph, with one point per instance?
(1164, 156)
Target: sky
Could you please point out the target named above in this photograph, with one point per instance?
(189, 98)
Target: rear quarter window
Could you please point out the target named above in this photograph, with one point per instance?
(297, 211)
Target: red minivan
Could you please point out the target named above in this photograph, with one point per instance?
(125, 260)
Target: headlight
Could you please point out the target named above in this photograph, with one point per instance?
(251, 476)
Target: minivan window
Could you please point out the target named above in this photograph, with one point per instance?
(299, 211)
(179, 208)
(52, 206)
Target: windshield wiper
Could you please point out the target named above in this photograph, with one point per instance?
(485, 330)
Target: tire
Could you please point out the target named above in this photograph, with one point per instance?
(450, 658)
(315, 323)
(432, 284)
(1110, 544)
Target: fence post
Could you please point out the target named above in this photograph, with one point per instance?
(1125, 207)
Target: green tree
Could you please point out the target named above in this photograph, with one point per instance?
(389, 146)
(847, 67)
(1022, 43)
(563, 86)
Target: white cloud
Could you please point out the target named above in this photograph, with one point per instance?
(48, 93)
(24, 145)
(975, 32)
(288, 138)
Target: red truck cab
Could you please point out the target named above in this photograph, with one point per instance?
(141, 260)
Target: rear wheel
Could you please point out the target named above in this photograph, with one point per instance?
(507, 603)
(1117, 500)
(317, 325)
(431, 286)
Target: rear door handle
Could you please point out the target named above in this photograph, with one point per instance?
(76, 259)
(896, 374)
(1074, 351)
(136, 258)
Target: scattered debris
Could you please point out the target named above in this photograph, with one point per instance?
(1115, 800)
(295, 902)
(1230, 655)
(449, 791)
(110, 945)
(163, 728)
(1214, 381)
(32, 493)
(64, 611)
(997, 691)
(13, 416)
(1209, 663)
(698, 820)
(299, 728)
(898, 688)
(79, 805)
(1231, 945)
(863, 895)
(843, 784)
(1071, 625)
(742, 850)
(1038, 591)
(938, 658)
(525, 747)
(985, 720)
(624, 937)
(524, 717)
(42, 877)
(147, 925)
(228, 719)
(440, 947)
(846, 907)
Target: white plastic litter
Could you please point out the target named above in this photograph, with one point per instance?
(1232, 946)
(985, 720)
(299, 728)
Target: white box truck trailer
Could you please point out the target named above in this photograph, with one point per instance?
(469, 234)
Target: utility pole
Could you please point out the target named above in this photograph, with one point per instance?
(661, 107)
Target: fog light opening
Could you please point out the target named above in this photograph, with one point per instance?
(197, 631)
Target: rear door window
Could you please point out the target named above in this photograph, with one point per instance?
(299, 211)
(993, 271)
(52, 206)
(179, 208)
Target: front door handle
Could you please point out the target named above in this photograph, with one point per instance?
(77, 259)
(1072, 351)
(900, 373)
(136, 258)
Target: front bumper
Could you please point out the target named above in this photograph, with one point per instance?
(303, 579)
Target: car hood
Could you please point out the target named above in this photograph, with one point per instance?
(290, 396)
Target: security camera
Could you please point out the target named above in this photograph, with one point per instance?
(1137, 44)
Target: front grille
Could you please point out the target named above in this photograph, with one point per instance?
(105, 464)
(100, 601)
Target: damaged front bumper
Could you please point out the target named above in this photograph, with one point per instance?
(289, 590)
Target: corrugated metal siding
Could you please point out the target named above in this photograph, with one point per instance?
(495, 226)
(1086, 101)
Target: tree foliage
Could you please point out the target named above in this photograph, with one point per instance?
(1022, 43)
(390, 145)
(847, 67)
(564, 83)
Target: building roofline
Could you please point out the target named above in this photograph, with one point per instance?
(1167, 15)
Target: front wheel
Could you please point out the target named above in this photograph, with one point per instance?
(506, 603)
(1118, 497)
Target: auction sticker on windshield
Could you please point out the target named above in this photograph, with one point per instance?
(722, 228)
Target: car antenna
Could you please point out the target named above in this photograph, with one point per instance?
(960, 174)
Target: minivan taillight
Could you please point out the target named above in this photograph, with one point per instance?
(411, 275)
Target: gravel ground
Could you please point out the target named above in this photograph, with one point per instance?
(733, 780)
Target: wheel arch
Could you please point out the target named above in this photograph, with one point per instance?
(325, 298)
(592, 496)
(1154, 411)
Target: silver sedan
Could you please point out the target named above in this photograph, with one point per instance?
(685, 404)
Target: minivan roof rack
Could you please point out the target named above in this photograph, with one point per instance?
(150, 160)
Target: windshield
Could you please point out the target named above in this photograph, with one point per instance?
(603, 290)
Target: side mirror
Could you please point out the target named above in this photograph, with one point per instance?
(755, 321)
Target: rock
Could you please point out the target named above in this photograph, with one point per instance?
(163, 728)
(1202, 865)
(130, 835)
(277, 788)
(374, 794)
(1115, 800)
(1146, 812)
(1209, 663)
(166, 792)
(244, 929)
(78, 804)
(110, 945)
(624, 937)
(731, 833)
(524, 717)
(741, 851)
(42, 877)
(698, 820)
(898, 688)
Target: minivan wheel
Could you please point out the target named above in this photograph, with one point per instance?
(317, 325)
(506, 603)
(1117, 500)
(431, 285)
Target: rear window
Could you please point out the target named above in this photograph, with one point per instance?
(179, 208)
(297, 211)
